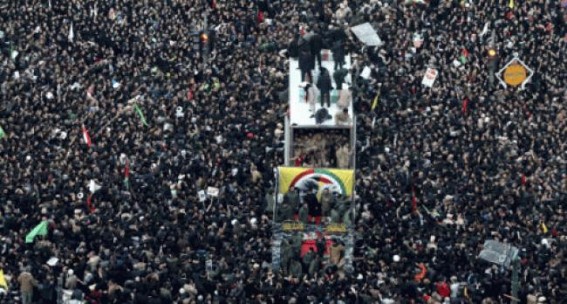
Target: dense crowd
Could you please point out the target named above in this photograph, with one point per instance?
(439, 170)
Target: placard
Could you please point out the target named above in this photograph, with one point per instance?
(366, 34)
(202, 196)
(213, 191)
(365, 73)
(429, 77)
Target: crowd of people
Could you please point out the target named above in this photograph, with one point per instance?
(115, 115)
(322, 148)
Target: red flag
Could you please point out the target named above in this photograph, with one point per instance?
(524, 180)
(214, 4)
(127, 170)
(90, 204)
(465, 105)
(413, 201)
(260, 16)
(87, 137)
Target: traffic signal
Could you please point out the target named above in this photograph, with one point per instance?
(204, 37)
(206, 41)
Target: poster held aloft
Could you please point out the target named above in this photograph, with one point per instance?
(202, 196)
(52, 261)
(213, 191)
(71, 35)
(365, 73)
(366, 34)
(429, 77)
(417, 40)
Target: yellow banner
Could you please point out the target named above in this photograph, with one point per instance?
(336, 180)
(3, 283)
(336, 228)
(293, 226)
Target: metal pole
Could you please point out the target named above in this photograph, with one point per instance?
(515, 279)
(287, 144)
(492, 64)
(276, 187)
(205, 29)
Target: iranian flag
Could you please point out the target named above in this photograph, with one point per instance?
(127, 173)
(87, 137)
(413, 200)
(90, 205)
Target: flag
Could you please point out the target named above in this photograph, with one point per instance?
(141, 114)
(375, 102)
(127, 173)
(417, 40)
(71, 35)
(421, 275)
(524, 180)
(40, 229)
(2, 133)
(93, 186)
(3, 282)
(217, 85)
(260, 16)
(13, 53)
(90, 203)
(413, 201)
(87, 137)
(464, 56)
(213, 4)
(543, 228)
(465, 106)
(511, 4)
(90, 91)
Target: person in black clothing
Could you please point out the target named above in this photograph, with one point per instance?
(316, 45)
(325, 86)
(293, 47)
(306, 62)
(339, 77)
(314, 207)
(338, 50)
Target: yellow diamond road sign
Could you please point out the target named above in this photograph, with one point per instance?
(515, 73)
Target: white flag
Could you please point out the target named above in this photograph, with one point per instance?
(14, 54)
(93, 187)
(485, 29)
(71, 35)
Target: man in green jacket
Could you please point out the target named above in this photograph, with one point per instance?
(291, 198)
